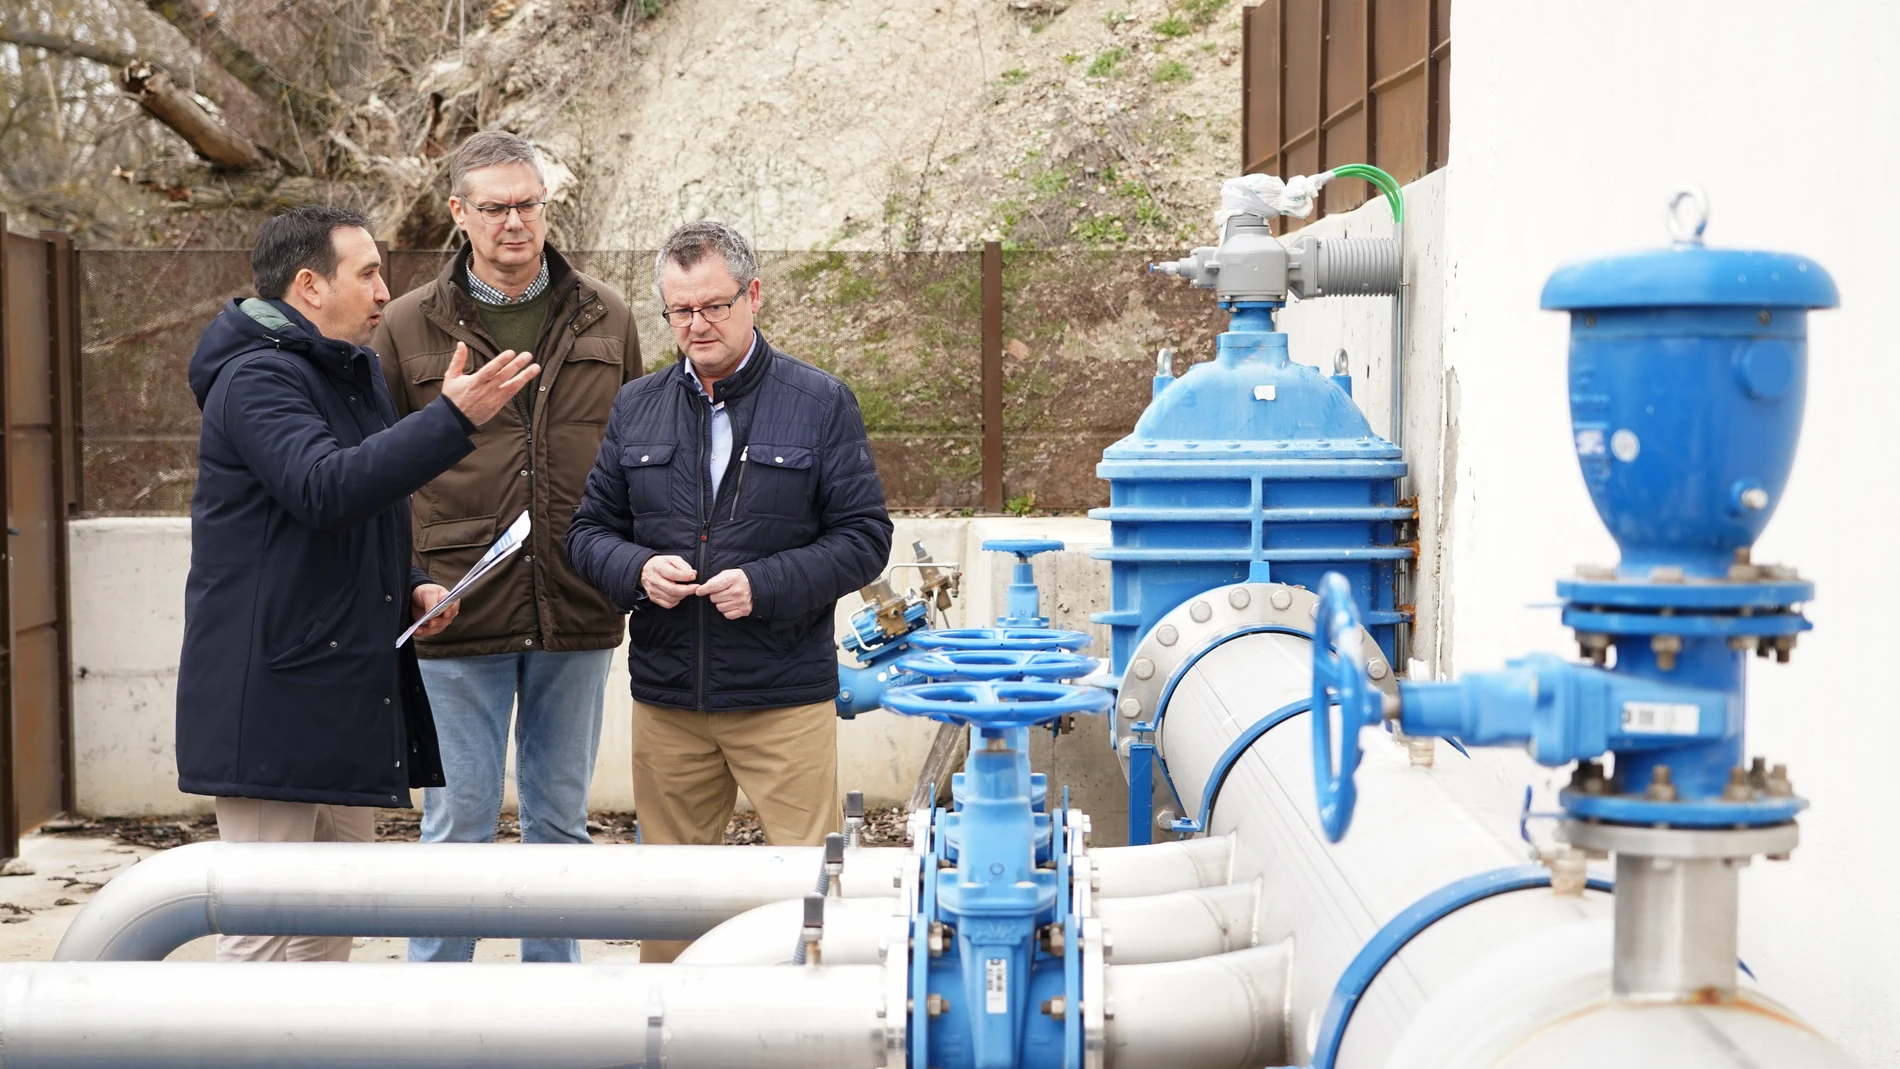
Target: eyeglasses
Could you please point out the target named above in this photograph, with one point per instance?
(712, 313)
(529, 210)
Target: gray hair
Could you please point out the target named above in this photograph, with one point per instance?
(491, 148)
(693, 242)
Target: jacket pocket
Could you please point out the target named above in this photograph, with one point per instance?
(648, 470)
(320, 639)
(449, 548)
(778, 481)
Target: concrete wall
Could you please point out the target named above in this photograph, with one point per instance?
(128, 607)
(1571, 124)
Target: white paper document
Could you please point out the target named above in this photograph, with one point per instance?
(511, 540)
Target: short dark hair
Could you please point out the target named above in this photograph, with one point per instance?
(296, 239)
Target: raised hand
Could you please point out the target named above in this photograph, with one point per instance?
(481, 395)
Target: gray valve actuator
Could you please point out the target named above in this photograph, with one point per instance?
(1252, 265)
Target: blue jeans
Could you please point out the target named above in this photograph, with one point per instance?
(557, 734)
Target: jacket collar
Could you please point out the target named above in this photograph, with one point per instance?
(451, 300)
(290, 330)
(740, 382)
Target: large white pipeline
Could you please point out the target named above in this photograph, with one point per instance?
(199, 1015)
(1493, 984)
(1212, 1013)
(509, 891)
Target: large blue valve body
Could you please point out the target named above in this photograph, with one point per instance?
(1249, 460)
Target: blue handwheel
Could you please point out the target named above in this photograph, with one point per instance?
(991, 665)
(996, 705)
(999, 638)
(1338, 679)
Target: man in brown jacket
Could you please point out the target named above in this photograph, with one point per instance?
(533, 637)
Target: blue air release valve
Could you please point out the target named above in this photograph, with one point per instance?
(1687, 375)
(1025, 601)
(1339, 678)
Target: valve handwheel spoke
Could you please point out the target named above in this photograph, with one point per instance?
(996, 705)
(1339, 678)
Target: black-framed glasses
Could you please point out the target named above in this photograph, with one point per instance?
(529, 210)
(711, 313)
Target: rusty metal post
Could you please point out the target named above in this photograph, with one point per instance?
(9, 798)
(992, 376)
(62, 295)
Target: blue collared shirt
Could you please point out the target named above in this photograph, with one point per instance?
(721, 454)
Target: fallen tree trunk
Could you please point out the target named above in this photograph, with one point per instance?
(208, 136)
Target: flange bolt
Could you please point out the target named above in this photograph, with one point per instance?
(1665, 647)
(1738, 789)
(1662, 785)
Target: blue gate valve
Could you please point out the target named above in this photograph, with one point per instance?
(952, 664)
(978, 962)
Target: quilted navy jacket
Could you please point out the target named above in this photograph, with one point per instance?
(290, 685)
(799, 509)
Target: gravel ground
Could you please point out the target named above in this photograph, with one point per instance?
(882, 827)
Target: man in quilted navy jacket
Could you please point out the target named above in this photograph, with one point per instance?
(296, 708)
(733, 502)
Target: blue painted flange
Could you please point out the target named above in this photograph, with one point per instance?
(1685, 624)
(1688, 813)
(1686, 596)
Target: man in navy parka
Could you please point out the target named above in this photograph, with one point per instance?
(296, 709)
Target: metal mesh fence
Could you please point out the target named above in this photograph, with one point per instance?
(903, 329)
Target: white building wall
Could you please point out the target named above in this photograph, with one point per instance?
(1572, 122)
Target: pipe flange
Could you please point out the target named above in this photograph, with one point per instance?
(1207, 619)
(1681, 844)
(1094, 995)
(897, 970)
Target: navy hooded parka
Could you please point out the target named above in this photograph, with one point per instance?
(290, 685)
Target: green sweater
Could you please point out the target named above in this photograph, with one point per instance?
(516, 326)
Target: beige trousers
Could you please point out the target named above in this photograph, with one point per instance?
(688, 768)
(256, 820)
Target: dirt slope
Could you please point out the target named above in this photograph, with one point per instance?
(886, 124)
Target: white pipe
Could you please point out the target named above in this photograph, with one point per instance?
(445, 889)
(192, 1015)
(507, 891)
(1416, 830)
(1539, 1003)
(1223, 1012)
(1127, 871)
(855, 933)
(1152, 928)
(1181, 925)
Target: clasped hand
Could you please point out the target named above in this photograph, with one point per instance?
(669, 580)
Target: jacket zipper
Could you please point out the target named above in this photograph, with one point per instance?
(527, 429)
(703, 513)
(738, 483)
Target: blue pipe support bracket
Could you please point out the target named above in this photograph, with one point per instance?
(1402, 929)
(1249, 459)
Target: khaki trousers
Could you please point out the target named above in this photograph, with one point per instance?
(688, 768)
(256, 820)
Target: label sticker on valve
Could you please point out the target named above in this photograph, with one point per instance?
(1660, 718)
(996, 985)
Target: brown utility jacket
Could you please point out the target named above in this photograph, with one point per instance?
(588, 349)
